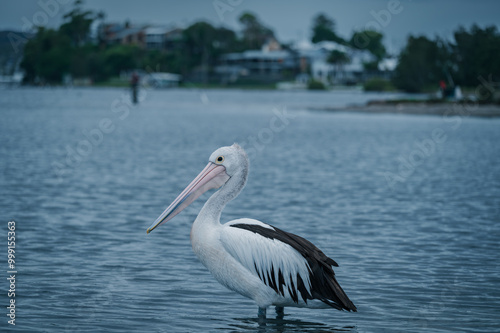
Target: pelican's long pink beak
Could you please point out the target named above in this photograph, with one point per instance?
(213, 176)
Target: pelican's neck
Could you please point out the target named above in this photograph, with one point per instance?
(212, 210)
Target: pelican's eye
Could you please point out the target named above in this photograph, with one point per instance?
(219, 159)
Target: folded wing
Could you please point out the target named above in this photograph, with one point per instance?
(289, 264)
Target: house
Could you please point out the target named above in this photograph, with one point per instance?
(387, 66)
(130, 36)
(124, 34)
(351, 71)
(269, 64)
(145, 36)
(162, 38)
(155, 38)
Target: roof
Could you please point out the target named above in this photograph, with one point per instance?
(127, 32)
(158, 30)
(306, 45)
(331, 46)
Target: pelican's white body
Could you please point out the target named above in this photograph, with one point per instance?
(227, 253)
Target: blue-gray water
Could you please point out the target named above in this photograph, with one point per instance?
(409, 206)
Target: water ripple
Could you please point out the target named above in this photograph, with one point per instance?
(421, 255)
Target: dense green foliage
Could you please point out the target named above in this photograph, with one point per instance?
(377, 84)
(419, 65)
(255, 34)
(78, 24)
(324, 30)
(51, 54)
(476, 53)
(315, 85)
(472, 57)
(202, 44)
(369, 40)
(338, 58)
(469, 59)
(47, 56)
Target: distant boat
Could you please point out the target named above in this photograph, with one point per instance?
(162, 80)
(291, 86)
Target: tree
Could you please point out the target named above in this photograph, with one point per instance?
(324, 30)
(53, 53)
(339, 59)
(47, 56)
(469, 60)
(225, 40)
(120, 58)
(371, 41)
(476, 53)
(255, 34)
(198, 43)
(419, 65)
(203, 44)
(78, 22)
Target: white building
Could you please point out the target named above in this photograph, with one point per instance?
(162, 38)
(350, 72)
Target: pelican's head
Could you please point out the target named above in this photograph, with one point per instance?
(223, 164)
(233, 158)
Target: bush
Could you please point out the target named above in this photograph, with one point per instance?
(378, 85)
(315, 85)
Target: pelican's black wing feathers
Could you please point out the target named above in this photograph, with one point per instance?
(324, 286)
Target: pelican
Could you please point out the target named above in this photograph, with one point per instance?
(264, 263)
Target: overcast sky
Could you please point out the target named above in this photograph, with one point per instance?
(290, 19)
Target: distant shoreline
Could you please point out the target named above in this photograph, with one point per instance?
(469, 109)
(406, 107)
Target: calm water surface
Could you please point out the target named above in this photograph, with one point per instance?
(409, 206)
